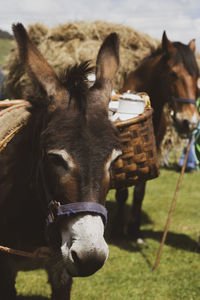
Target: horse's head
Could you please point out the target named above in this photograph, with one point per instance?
(78, 144)
(180, 74)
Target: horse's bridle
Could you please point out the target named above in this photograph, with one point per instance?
(57, 210)
(183, 100)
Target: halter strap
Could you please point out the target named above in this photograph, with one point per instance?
(79, 207)
(56, 209)
(182, 100)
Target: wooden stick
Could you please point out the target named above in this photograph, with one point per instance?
(172, 207)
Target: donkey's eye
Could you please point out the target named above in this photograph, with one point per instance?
(57, 160)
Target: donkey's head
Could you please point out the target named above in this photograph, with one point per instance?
(181, 73)
(78, 145)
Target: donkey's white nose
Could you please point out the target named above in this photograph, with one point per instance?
(87, 250)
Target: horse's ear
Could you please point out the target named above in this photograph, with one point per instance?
(198, 83)
(192, 45)
(167, 45)
(36, 65)
(108, 58)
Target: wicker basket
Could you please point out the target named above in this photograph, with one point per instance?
(138, 162)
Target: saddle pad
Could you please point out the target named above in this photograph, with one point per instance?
(11, 120)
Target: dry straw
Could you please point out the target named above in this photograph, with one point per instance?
(76, 42)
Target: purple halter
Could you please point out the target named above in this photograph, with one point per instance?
(57, 210)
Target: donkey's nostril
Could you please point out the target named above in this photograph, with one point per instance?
(75, 256)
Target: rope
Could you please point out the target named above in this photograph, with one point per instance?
(42, 252)
(172, 207)
(5, 141)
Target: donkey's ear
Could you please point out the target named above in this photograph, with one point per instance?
(108, 58)
(167, 45)
(192, 45)
(36, 65)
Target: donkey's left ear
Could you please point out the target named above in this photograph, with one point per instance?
(192, 45)
(108, 58)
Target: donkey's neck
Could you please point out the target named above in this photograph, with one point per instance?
(18, 182)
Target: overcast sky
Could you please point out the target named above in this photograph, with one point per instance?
(180, 18)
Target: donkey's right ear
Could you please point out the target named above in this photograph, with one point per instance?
(108, 58)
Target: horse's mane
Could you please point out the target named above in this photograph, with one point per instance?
(184, 55)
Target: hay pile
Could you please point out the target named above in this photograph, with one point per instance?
(76, 42)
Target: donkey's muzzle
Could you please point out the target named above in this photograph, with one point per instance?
(88, 261)
(83, 245)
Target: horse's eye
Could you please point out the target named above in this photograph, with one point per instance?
(174, 75)
(57, 160)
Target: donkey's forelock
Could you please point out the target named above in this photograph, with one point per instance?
(75, 80)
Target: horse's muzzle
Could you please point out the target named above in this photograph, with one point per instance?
(185, 120)
(185, 126)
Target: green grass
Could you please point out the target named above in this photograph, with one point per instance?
(5, 47)
(127, 275)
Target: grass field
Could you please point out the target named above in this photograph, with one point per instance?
(127, 275)
(5, 47)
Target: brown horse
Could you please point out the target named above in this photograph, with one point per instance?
(55, 173)
(168, 75)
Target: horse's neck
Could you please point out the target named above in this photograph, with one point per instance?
(147, 78)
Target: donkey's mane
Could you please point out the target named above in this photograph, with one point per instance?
(184, 55)
(75, 80)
